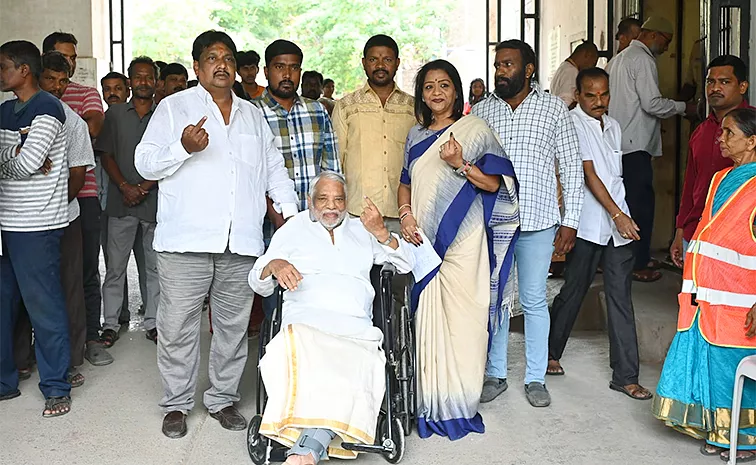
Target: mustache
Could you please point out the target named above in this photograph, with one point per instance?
(178, 88)
(286, 81)
(221, 72)
(503, 80)
(112, 97)
(379, 71)
(141, 88)
(598, 108)
(716, 94)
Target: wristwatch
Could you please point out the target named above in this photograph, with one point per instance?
(387, 241)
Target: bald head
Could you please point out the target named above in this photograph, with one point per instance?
(585, 55)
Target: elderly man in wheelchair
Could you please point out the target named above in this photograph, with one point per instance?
(324, 371)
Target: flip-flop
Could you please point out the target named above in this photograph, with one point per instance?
(624, 390)
(555, 373)
(725, 456)
(642, 277)
(707, 452)
(75, 379)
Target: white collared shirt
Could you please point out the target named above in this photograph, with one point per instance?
(335, 294)
(563, 83)
(213, 199)
(604, 148)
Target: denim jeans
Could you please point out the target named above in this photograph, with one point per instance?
(30, 270)
(533, 252)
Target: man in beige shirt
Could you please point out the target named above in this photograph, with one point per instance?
(371, 125)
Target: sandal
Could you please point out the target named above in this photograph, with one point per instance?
(704, 450)
(645, 394)
(654, 264)
(554, 370)
(646, 276)
(108, 338)
(57, 406)
(75, 379)
(10, 395)
(750, 457)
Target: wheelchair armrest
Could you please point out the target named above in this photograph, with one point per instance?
(388, 270)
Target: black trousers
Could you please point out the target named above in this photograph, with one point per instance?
(580, 270)
(90, 243)
(638, 175)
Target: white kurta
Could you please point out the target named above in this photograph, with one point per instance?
(335, 295)
(325, 368)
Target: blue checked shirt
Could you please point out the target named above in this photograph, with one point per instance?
(305, 137)
(536, 135)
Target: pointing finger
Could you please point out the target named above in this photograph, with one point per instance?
(369, 202)
(199, 125)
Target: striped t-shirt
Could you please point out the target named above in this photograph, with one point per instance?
(30, 200)
(82, 99)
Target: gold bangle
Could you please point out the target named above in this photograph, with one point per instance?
(617, 215)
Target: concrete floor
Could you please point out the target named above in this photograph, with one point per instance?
(115, 418)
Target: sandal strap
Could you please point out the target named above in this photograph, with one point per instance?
(52, 402)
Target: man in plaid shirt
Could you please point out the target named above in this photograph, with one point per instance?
(301, 127)
(536, 130)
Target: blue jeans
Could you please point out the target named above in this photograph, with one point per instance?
(533, 252)
(30, 269)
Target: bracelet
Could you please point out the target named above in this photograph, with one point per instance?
(465, 169)
(405, 215)
(387, 241)
(406, 205)
(122, 184)
(617, 215)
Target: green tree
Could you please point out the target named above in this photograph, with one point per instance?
(332, 33)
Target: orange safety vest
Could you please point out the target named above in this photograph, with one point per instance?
(719, 277)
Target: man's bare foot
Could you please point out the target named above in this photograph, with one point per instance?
(709, 450)
(554, 368)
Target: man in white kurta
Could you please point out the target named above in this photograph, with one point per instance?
(324, 371)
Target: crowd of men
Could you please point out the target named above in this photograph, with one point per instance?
(183, 178)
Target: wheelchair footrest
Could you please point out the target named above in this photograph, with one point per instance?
(366, 448)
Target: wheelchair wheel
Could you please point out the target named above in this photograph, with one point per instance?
(257, 445)
(397, 439)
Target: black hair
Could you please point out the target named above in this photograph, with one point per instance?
(115, 75)
(745, 118)
(173, 68)
(23, 52)
(627, 24)
(161, 64)
(739, 67)
(143, 60)
(423, 113)
(58, 38)
(589, 73)
(282, 47)
(192, 83)
(248, 58)
(56, 61)
(470, 95)
(380, 40)
(208, 39)
(313, 74)
(526, 52)
(328, 81)
(585, 47)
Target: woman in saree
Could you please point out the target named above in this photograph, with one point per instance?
(717, 317)
(458, 188)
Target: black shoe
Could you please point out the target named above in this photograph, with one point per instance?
(152, 335)
(230, 418)
(174, 425)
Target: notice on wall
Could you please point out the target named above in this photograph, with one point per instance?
(86, 71)
(555, 42)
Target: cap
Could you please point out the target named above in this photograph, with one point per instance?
(658, 24)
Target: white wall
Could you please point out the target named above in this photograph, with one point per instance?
(562, 23)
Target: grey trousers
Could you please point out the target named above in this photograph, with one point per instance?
(185, 279)
(138, 249)
(121, 235)
(617, 263)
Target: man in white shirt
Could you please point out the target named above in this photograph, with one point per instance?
(214, 157)
(583, 57)
(327, 338)
(605, 233)
(638, 106)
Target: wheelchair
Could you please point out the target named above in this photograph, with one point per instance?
(397, 413)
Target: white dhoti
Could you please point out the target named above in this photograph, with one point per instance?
(319, 380)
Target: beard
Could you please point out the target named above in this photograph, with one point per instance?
(286, 94)
(144, 92)
(381, 77)
(320, 217)
(507, 88)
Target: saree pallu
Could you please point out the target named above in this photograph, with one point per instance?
(694, 394)
(467, 296)
(319, 380)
